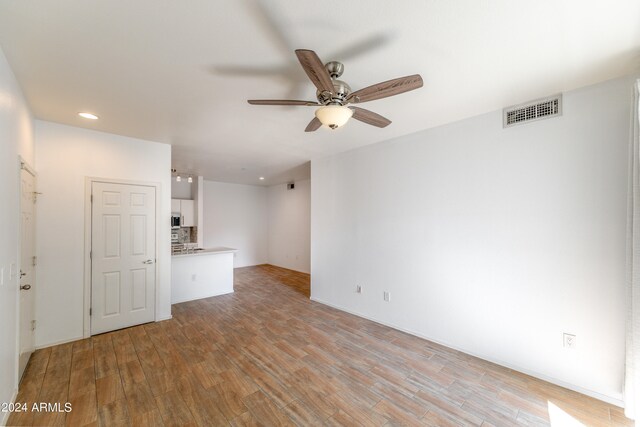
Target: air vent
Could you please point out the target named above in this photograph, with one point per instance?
(534, 110)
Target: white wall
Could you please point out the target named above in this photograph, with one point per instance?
(65, 157)
(289, 226)
(493, 241)
(235, 217)
(16, 138)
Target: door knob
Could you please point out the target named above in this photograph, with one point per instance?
(149, 261)
(25, 287)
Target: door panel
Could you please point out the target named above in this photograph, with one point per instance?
(123, 256)
(138, 289)
(111, 293)
(138, 234)
(111, 198)
(111, 235)
(27, 269)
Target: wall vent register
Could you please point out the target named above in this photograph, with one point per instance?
(534, 110)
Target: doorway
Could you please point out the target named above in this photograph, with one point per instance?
(122, 255)
(27, 282)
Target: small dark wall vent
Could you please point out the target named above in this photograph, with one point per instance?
(291, 186)
(534, 110)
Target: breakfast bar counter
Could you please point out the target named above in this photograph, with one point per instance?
(201, 273)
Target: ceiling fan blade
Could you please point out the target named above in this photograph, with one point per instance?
(269, 17)
(369, 117)
(281, 102)
(313, 125)
(361, 47)
(315, 70)
(385, 89)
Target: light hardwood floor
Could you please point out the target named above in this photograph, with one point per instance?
(267, 355)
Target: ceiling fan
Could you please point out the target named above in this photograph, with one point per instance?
(333, 94)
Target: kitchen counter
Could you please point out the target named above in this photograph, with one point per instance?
(202, 273)
(205, 251)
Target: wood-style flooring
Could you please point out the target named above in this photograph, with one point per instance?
(267, 355)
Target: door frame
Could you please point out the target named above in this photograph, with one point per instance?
(88, 183)
(22, 165)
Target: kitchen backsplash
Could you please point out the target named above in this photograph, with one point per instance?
(186, 234)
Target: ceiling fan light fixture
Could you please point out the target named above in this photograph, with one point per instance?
(334, 116)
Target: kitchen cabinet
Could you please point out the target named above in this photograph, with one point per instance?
(175, 205)
(187, 211)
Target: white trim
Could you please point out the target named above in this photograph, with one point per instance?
(16, 376)
(24, 165)
(88, 182)
(86, 319)
(6, 415)
(590, 393)
(162, 318)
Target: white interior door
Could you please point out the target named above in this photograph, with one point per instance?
(123, 246)
(27, 269)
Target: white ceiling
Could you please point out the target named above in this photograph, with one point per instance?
(180, 72)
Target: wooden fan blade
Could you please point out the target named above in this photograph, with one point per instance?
(370, 118)
(385, 89)
(281, 102)
(315, 70)
(313, 125)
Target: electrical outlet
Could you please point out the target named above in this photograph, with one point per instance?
(358, 289)
(569, 340)
(386, 296)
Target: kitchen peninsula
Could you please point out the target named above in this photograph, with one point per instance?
(201, 273)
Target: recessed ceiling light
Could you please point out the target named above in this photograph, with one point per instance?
(261, 178)
(88, 116)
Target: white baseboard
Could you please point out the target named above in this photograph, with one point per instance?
(52, 344)
(288, 268)
(41, 346)
(590, 393)
(202, 297)
(5, 416)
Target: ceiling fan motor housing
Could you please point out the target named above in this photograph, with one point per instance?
(340, 89)
(340, 92)
(334, 68)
